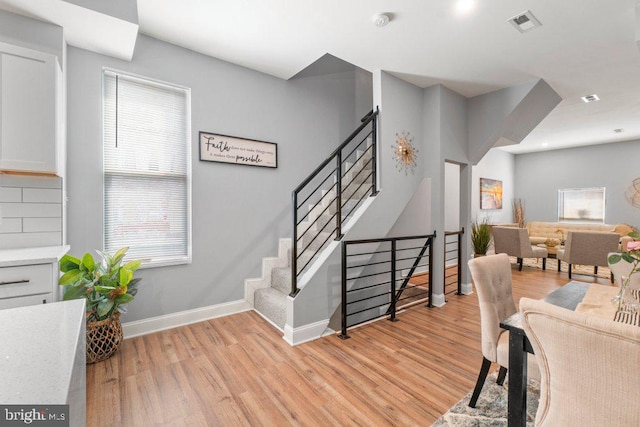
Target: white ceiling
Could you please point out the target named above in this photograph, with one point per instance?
(582, 47)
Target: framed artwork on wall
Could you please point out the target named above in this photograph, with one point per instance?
(490, 193)
(239, 151)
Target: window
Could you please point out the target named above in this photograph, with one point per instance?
(147, 168)
(584, 205)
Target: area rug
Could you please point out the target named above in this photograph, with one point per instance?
(491, 408)
(552, 264)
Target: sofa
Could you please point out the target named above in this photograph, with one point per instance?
(539, 231)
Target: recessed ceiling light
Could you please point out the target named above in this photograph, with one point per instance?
(619, 130)
(590, 98)
(465, 6)
(381, 19)
(524, 21)
(545, 144)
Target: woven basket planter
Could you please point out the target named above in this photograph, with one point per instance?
(103, 338)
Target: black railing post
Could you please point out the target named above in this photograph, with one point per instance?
(430, 294)
(294, 246)
(339, 196)
(393, 281)
(344, 335)
(374, 154)
(460, 261)
(444, 267)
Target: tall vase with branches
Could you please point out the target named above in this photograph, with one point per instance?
(518, 212)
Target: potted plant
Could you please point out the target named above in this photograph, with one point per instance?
(480, 236)
(107, 286)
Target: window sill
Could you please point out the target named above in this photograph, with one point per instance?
(167, 262)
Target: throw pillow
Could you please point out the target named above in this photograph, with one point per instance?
(624, 229)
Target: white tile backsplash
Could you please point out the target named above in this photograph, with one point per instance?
(41, 195)
(26, 181)
(10, 194)
(30, 211)
(11, 225)
(36, 225)
(29, 240)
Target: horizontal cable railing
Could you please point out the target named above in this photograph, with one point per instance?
(453, 262)
(381, 275)
(331, 194)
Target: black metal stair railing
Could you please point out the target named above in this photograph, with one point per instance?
(453, 254)
(379, 274)
(331, 193)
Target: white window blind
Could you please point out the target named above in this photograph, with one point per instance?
(586, 205)
(146, 169)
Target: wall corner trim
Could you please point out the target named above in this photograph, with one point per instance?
(306, 333)
(466, 289)
(438, 300)
(182, 318)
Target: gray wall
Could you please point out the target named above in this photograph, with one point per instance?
(496, 164)
(539, 176)
(400, 110)
(33, 34)
(507, 116)
(239, 212)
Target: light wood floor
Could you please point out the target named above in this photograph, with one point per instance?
(238, 370)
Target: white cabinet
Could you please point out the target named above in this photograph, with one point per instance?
(29, 110)
(29, 276)
(26, 285)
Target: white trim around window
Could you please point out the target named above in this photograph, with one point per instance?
(147, 168)
(582, 205)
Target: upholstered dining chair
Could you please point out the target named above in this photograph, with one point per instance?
(515, 242)
(587, 248)
(491, 275)
(590, 367)
(623, 268)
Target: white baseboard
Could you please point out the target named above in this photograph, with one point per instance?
(268, 320)
(466, 289)
(438, 300)
(181, 318)
(306, 333)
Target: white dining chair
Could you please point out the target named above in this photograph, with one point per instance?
(491, 276)
(590, 367)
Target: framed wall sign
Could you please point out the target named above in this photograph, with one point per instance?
(239, 151)
(490, 193)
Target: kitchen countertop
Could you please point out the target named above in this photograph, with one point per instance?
(42, 354)
(30, 256)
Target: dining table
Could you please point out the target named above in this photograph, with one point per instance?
(591, 298)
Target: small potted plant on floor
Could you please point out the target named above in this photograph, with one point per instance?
(480, 237)
(107, 286)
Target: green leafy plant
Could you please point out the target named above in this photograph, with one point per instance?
(480, 236)
(107, 286)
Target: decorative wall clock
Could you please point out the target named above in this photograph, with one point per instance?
(404, 153)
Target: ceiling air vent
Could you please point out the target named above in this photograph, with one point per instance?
(525, 21)
(590, 98)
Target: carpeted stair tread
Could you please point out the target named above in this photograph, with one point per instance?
(272, 304)
(281, 279)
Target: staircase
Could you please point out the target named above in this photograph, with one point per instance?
(271, 290)
(324, 214)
